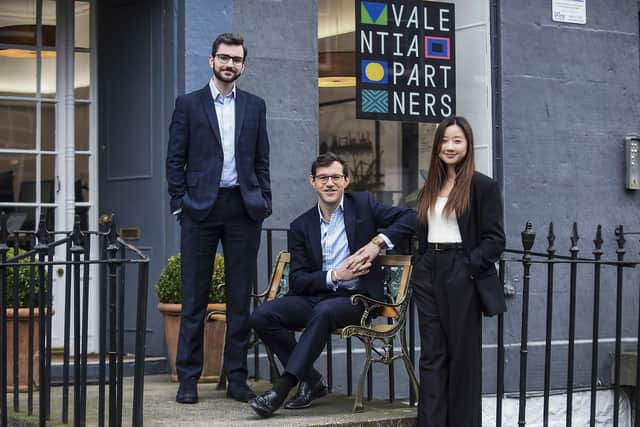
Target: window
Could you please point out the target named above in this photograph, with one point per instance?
(34, 120)
(391, 158)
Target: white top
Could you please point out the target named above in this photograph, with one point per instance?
(443, 229)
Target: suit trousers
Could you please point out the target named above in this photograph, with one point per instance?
(229, 223)
(276, 321)
(450, 324)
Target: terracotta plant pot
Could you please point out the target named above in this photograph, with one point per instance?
(213, 348)
(23, 349)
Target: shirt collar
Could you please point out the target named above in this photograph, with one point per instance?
(215, 92)
(340, 206)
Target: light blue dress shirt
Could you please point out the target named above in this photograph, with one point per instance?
(226, 113)
(335, 246)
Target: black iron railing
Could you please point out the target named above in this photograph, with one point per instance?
(539, 269)
(33, 260)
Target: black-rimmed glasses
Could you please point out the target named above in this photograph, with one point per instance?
(224, 59)
(323, 179)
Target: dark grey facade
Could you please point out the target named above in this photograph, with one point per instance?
(570, 93)
(566, 95)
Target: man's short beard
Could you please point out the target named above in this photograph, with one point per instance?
(224, 79)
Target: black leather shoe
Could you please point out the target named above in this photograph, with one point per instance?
(187, 392)
(240, 392)
(307, 392)
(266, 404)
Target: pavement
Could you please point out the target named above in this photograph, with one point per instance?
(214, 409)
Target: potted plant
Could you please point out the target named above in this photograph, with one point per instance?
(169, 291)
(24, 273)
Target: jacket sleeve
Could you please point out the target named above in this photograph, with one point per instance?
(302, 279)
(398, 223)
(262, 156)
(177, 151)
(490, 229)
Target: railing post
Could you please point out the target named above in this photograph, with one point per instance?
(572, 320)
(3, 318)
(141, 327)
(620, 251)
(500, 355)
(597, 253)
(76, 251)
(528, 239)
(42, 249)
(105, 224)
(112, 253)
(551, 238)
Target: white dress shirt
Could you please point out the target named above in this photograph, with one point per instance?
(226, 113)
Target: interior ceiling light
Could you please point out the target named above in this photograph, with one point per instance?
(347, 81)
(26, 54)
(336, 69)
(26, 35)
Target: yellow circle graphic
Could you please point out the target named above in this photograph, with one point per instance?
(374, 71)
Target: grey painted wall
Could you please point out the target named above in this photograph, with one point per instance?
(282, 68)
(570, 94)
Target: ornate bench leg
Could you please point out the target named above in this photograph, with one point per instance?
(407, 364)
(358, 405)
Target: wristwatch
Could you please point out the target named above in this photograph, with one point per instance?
(379, 242)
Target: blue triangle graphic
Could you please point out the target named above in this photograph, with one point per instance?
(374, 9)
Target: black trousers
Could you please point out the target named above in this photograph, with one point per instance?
(240, 235)
(450, 324)
(276, 321)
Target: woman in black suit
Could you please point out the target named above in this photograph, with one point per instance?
(454, 279)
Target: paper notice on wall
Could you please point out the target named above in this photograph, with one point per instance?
(571, 11)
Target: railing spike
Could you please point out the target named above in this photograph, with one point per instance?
(598, 240)
(551, 238)
(4, 232)
(528, 236)
(112, 237)
(574, 235)
(42, 235)
(620, 237)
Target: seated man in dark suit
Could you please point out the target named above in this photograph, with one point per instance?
(333, 248)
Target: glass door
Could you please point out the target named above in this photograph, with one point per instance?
(47, 116)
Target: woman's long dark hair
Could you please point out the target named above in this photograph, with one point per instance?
(458, 200)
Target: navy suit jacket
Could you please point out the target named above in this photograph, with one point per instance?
(363, 217)
(483, 240)
(195, 156)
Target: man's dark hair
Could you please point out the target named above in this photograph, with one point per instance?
(326, 159)
(228, 38)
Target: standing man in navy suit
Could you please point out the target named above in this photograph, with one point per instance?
(333, 247)
(218, 179)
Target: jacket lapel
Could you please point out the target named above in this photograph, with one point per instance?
(240, 107)
(210, 112)
(463, 221)
(350, 223)
(314, 236)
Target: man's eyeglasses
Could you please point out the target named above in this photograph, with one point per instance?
(224, 59)
(323, 179)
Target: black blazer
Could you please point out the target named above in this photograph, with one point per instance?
(363, 217)
(482, 232)
(195, 156)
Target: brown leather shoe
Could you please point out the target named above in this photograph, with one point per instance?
(307, 392)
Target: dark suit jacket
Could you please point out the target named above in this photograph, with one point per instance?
(363, 217)
(195, 156)
(483, 239)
